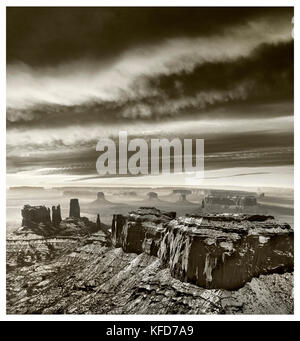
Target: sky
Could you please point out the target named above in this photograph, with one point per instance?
(76, 75)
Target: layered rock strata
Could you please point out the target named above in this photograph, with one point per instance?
(212, 250)
(141, 230)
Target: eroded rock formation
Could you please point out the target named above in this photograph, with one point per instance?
(33, 215)
(56, 215)
(141, 230)
(98, 222)
(74, 208)
(36, 219)
(220, 200)
(211, 251)
(231, 200)
(217, 251)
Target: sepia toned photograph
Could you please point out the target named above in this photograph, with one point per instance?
(150, 160)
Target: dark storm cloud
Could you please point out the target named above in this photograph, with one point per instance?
(268, 71)
(265, 75)
(47, 36)
(75, 75)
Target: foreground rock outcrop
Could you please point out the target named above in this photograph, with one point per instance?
(155, 263)
(211, 251)
(226, 251)
(85, 275)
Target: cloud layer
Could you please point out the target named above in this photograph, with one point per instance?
(76, 75)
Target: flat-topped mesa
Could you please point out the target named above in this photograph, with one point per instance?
(231, 200)
(224, 251)
(74, 208)
(220, 200)
(140, 231)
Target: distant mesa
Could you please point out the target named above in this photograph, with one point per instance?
(182, 194)
(182, 197)
(100, 196)
(128, 193)
(220, 200)
(78, 193)
(229, 193)
(182, 191)
(37, 220)
(152, 196)
(96, 204)
(100, 200)
(26, 188)
(234, 201)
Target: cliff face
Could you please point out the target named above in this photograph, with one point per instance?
(141, 230)
(211, 251)
(217, 251)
